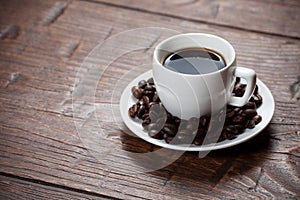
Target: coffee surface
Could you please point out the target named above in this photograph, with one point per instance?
(194, 61)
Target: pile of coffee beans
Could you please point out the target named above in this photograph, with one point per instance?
(160, 124)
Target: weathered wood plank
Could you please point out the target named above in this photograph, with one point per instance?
(274, 17)
(14, 188)
(38, 139)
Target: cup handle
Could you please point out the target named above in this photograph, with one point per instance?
(250, 76)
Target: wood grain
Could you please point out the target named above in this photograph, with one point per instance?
(39, 140)
(16, 188)
(275, 17)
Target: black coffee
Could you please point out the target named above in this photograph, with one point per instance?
(194, 61)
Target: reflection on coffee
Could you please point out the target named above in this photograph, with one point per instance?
(194, 61)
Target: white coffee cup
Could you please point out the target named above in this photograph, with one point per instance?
(194, 95)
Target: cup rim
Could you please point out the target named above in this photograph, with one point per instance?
(230, 63)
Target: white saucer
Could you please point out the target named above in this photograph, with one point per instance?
(266, 110)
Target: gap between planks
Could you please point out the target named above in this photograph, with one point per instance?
(53, 185)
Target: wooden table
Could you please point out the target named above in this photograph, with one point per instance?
(43, 45)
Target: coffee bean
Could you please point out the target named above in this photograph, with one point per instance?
(133, 110)
(149, 88)
(255, 90)
(141, 111)
(142, 84)
(198, 141)
(155, 134)
(250, 105)
(203, 121)
(146, 122)
(150, 81)
(258, 100)
(151, 104)
(149, 93)
(232, 129)
(230, 113)
(155, 98)
(239, 127)
(250, 113)
(238, 119)
(170, 129)
(192, 124)
(250, 124)
(146, 101)
(200, 132)
(146, 115)
(170, 118)
(137, 92)
(257, 119)
(228, 136)
(177, 120)
(237, 109)
(239, 89)
(168, 139)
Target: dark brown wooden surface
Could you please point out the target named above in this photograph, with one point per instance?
(42, 46)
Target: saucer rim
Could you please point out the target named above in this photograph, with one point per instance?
(265, 110)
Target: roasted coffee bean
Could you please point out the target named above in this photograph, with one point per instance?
(177, 120)
(150, 94)
(200, 132)
(151, 104)
(149, 88)
(142, 84)
(258, 100)
(150, 81)
(250, 124)
(168, 139)
(133, 110)
(203, 121)
(250, 113)
(255, 90)
(230, 113)
(146, 122)
(155, 134)
(170, 118)
(141, 111)
(198, 141)
(232, 129)
(155, 98)
(192, 124)
(146, 101)
(170, 129)
(239, 89)
(250, 105)
(257, 119)
(237, 109)
(228, 136)
(241, 112)
(146, 115)
(239, 127)
(137, 92)
(238, 119)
